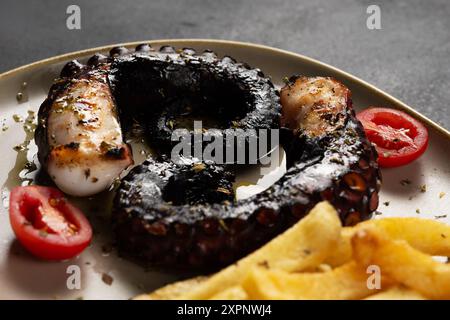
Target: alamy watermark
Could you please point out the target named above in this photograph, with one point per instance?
(73, 281)
(373, 21)
(229, 146)
(73, 21)
(374, 280)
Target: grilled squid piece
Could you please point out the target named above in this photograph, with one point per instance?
(79, 136)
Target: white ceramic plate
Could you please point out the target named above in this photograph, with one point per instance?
(24, 277)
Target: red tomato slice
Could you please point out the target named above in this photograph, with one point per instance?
(398, 137)
(46, 224)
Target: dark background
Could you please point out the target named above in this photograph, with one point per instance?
(409, 57)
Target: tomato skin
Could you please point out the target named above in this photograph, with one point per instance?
(27, 223)
(398, 137)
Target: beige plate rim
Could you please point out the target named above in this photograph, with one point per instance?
(68, 56)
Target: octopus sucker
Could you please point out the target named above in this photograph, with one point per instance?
(185, 214)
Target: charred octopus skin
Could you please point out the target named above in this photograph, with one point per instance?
(171, 88)
(329, 158)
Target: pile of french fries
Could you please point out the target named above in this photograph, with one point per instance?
(390, 258)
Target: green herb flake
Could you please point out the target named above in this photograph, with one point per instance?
(43, 233)
(405, 182)
(17, 118)
(224, 225)
(107, 279)
(198, 167)
(20, 148)
(223, 190)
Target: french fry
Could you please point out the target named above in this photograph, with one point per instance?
(318, 259)
(173, 290)
(303, 246)
(401, 262)
(345, 282)
(343, 251)
(397, 293)
(233, 293)
(426, 235)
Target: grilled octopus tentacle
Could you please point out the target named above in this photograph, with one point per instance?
(329, 158)
(185, 214)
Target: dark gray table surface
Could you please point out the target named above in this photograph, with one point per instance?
(408, 58)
